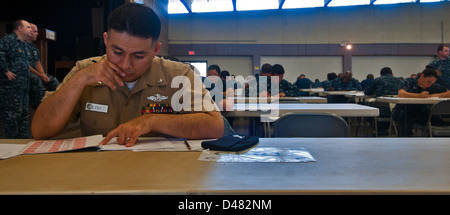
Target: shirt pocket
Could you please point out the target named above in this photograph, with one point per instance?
(93, 123)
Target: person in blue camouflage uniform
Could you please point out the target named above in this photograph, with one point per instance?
(442, 63)
(327, 83)
(423, 86)
(263, 80)
(385, 85)
(316, 84)
(14, 81)
(366, 82)
(344, 83)
(303, 83)
(39, 80)
(286, 89)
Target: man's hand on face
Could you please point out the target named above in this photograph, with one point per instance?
(103, 72)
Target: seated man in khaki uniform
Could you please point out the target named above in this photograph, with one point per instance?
(129, 92)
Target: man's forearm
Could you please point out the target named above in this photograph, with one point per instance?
(52, 114)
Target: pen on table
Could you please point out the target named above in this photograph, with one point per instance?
(187, 145)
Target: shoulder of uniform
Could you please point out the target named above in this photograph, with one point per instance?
(172, 67)
(88, 61)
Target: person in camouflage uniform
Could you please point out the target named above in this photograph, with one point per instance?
(442, 63)
(14, 81)
(261, 82)
(327, 83)
(286, 89)
(303, 83)
(385, 85)
(39, 80)
(424, 86)
(344, 83)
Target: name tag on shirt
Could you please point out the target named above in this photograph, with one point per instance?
(96, 107)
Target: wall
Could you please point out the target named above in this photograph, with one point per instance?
(308, 39)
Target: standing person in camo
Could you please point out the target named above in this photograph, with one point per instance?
(39, 80)
(15, 80)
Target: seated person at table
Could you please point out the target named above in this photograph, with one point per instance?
(366, 82)
(253, 86)
(303, 83)
(327, 84)
(344, 83)
(218, 88)
(286, 89)
(118, 94)
(424, 86)
(384, 85)
(316, 84)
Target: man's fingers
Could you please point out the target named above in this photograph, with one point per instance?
(109, 136)
(132, 141)
(115, 69)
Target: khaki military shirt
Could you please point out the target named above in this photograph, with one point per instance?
(101, 109)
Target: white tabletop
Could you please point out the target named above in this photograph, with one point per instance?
(313, 90)
(342, 166)
(344, 110)
(339, 93)
(397, 100)
(305, 99)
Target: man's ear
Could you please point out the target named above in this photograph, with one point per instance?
(105, 38)
(158, 47)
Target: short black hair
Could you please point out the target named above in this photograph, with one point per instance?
(385, 70)
(429, 73)
(331, 76)
(265, 68)
(277, 69)
(224, 74)
(216, 67)
(136, 20)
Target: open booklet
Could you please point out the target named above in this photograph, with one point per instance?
(144, 144)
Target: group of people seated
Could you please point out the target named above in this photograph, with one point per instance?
(422, 85)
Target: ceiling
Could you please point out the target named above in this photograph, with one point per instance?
(203, 6)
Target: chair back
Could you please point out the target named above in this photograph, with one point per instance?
(441, 112)
(311, 125)
(442, 107)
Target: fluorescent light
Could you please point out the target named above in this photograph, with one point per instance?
(393, 1)
(199, 6)
(256, 4)
(336, 3)
(175, 6)
(302, 3)
(425, 1)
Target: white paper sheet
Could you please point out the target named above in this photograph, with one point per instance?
(10, 150)
(141, 145)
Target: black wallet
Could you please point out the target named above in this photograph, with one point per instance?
(232, 142)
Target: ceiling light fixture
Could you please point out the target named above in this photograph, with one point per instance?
(346, 44)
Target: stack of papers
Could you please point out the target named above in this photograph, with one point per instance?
(52, 146)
